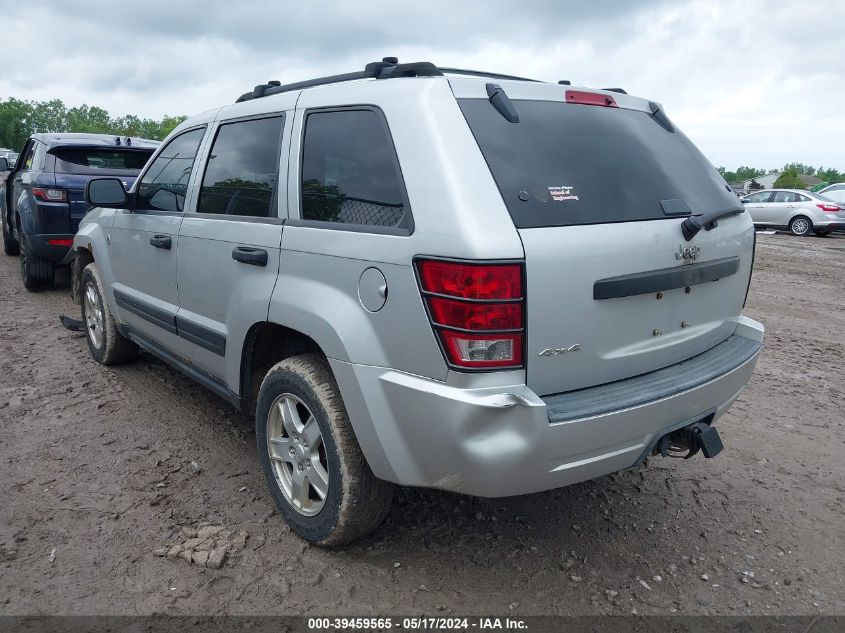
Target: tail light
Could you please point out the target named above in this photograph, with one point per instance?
(60, 242)
(477, 311)
(50, 195)
(828, 208)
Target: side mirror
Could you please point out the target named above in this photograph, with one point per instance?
(106, 192)
(744, 200)
(4, 164)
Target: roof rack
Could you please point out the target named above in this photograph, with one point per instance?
(387, 68)
(481, 73)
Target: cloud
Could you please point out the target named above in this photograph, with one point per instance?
(750, 83)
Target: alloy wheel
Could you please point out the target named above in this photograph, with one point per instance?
(93, 315)
(800, 226)
(298, 454)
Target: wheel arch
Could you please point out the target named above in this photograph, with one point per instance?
(82, 257)
(801, 214)
(267, 343)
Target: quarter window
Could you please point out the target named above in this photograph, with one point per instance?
(26, 161)
(349, 171)
(241, 176)
(38, 157)
(164, 185)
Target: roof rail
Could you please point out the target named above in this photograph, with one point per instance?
(481, 73)
(387, 68)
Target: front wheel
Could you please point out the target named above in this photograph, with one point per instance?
(318, 476)
(107, 345)
(800, 226)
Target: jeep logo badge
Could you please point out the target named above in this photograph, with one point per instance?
(687, 253)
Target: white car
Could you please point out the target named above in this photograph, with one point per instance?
(802, 212)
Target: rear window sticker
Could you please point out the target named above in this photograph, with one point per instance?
(562, 192)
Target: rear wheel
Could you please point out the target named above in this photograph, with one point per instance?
(10, 244)
(107, 345)
(318, 476)
(37, 273)
(800, 226)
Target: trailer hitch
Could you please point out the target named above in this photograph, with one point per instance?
(687, 441)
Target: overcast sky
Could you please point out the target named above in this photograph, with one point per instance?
(751, 82)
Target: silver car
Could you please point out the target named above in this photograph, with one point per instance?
(835, 192)
(801, 212)
(429, 277)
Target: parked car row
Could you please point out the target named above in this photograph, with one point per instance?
(801, 212)
(11, 158)
(43, 197)
(428, 290)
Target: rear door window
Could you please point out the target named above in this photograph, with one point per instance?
(90, 160)
(785, 196)
(350, 173)
(567, 164)
(242, 172)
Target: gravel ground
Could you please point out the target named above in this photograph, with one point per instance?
(107, 473)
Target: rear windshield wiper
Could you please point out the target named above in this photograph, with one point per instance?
(707, 221)
(500, 100)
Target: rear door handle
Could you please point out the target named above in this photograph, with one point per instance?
(252, 256)
(162, 241)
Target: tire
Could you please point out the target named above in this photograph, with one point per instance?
(822, 233)
(36, 273)
(800, 226)
(107, 345)
(10, 244)
(353, 501)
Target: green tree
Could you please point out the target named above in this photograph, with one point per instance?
(15, 122)
(19, 119)
(741, 174)
(789, 179)
(829, 175)
(800, 168)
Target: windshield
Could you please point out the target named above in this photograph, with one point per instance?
(565, 164)
(87, 160)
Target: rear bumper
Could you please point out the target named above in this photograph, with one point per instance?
(500, 441)
(40, 245)
(829, 224)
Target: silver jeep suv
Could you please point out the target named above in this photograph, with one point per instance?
(431, 277)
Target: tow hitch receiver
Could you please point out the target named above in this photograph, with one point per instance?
(687, 441)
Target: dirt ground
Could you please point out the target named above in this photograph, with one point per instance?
(101, 467)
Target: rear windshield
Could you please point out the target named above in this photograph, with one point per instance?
(88, 160)
(564, 164)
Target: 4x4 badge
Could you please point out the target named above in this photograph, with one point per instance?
(557, 351)
(687, 253)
